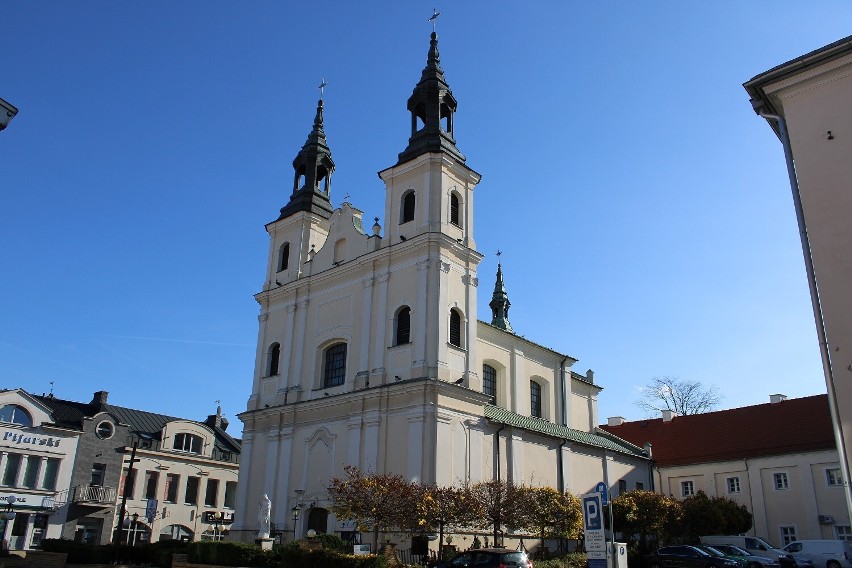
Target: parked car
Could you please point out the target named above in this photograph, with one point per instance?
(685, 556)
(718, 553)
(757, 546)
(488, 558)
(823, 553)
(751, 560)
(753, 544)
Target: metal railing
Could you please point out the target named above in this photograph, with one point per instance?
(95, 494)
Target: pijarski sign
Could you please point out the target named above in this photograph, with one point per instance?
(25, 439)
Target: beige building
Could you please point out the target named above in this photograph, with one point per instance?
(370, 353)
(777, 459)
(36, 460)
(806, 102)
(182, 485)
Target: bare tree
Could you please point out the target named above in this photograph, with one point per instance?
(680, 395)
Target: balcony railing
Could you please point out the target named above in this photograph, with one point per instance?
(87, 494)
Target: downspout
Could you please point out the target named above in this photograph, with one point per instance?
(497, 466)
(560, 476)
(824, 352)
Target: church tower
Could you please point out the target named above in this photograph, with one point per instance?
(369, 350)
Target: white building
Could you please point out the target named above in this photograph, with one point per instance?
(806, 102)
(777, 459)
(36, 458)
(370, 354)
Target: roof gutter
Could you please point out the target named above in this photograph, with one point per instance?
(824, 352)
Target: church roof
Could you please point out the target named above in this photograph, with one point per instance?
(598, 439)
(790, 426)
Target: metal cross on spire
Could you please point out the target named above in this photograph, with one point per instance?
(498, 254)
(322, 87)
(434, 18)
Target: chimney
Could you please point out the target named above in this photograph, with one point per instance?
(648, 451)
(100, 398)
(615, 421)
(668, 415)
(590, 376)
(776, 398)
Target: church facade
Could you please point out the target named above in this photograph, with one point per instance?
(370, 352)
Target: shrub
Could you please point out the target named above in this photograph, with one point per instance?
(334, 542)
(294, 557)
(572, 560)
(225, 553)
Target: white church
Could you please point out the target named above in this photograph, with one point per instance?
(370, 353)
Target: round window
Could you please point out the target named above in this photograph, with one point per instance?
(105, 430)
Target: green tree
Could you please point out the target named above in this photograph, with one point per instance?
(548, 513)
(703, 515)
(645, 517)
(738, 519)
(496, 501)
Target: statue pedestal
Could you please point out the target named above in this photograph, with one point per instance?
(265, 543)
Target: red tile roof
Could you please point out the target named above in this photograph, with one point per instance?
(791, 426)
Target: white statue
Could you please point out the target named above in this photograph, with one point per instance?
(263, 516)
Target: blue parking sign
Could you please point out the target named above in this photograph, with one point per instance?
(592, 517)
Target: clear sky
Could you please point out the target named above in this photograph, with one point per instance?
(643, 209)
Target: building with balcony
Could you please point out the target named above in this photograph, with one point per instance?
(181, 483)
(36, 459)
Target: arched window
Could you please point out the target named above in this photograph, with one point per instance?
(489, 381)
(283, 257)
(408, 203)
(273, 358)
(455, 328)
(535, 399)
(187, 443)
(14, 414)
(334, 365)
(402, 325)
(455, 217)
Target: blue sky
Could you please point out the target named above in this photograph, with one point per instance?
(643, 209)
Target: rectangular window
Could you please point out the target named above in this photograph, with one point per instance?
(733, 484)
(170, 494)
(833, 478)
(191, 496)
(622, 486)
(640, 486)
(230, 494)
(10, 474)
(687, 488)
(51, 470)
(98, 474)
(151, 479)
(335, 365)
(780, 482)
(788, 535)
(211, 493)
(535, 399)
(128, 483)
(843, 532)
(31, 472)
(489, 381)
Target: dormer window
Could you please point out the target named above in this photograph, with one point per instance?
(188, 443)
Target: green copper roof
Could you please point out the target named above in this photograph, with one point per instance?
(598, 439)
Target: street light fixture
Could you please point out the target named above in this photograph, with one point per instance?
(296, 512)
(8, 512)
(7, 113)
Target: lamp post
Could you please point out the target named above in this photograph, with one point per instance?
(296, 512)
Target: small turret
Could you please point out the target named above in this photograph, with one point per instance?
(500, 303)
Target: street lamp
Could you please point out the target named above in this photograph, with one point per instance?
(8, 512)
(7, 113)
(296, 512)
(130, 526)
